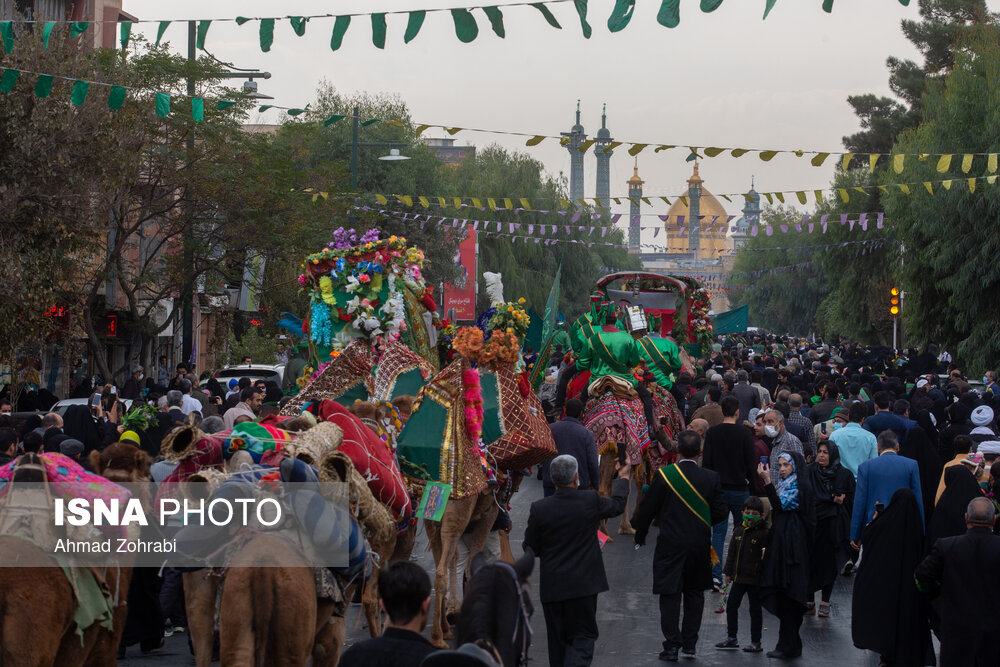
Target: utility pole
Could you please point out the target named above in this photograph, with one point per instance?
(187, 326)
(354, 150)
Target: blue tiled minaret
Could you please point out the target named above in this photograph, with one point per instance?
(751, 216)
(634, 218)
(603, 162)
(695, 185)
(576, 138)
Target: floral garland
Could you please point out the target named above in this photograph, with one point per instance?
(468, 342)
(473, 395)
(700, 321)
(511, 317)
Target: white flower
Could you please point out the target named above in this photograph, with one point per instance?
(353, 304)
(352, 284)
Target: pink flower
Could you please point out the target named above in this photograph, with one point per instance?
(364, 278)
(302, 279)
(366, 302)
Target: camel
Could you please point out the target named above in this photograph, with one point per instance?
(443, 537)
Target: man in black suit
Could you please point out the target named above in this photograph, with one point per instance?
(964, 570)
(748, 396)
(562, 531)
(404, 592)
(573, 438)
(688, 501)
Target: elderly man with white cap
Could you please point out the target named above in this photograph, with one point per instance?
(984, 437)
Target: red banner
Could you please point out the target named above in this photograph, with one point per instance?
(461, 294)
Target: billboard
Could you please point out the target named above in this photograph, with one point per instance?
(461, 294)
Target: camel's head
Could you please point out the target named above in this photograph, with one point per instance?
(121, 462)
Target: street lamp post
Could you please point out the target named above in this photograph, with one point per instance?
(356, 144)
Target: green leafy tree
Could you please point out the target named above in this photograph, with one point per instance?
(949, 268)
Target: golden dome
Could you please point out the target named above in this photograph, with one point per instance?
(635, 180)
(712, 241)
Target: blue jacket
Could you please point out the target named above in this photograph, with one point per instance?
(887, 421)
(573, 438)
(878, 480)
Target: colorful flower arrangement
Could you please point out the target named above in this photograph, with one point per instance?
(700, 322)
(362, 267)
(502, 347)
(446, 334)
(468, 342)
(511, 316)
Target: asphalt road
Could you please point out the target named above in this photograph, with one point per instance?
(628, 615)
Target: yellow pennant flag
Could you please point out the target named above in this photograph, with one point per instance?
(991, 179)
(767, 155)
(748, 197)
(780, 196)
(613, 145)
(381, 199)
(508, 204)
(819, 196)
(799, 152)
(872, 159)
(563, 203)
(646, 201)
(458, 202)
(666, 200)
(904, 188)
(442, 202)
(845, 161)
(478, 203)
(394, 123)
(492, 203)
(802, 196)
(637, 148)
(525, 204)
(583, 202)
(585, 146)
(712, 152)
(882, 188)
(946, 184)
(770, 200)
(597, 201)
(421, 128)
(684, 200)
(861, 190)
(406, 199)
(616, 200)
(929, 187)
(991, 162)
(845, 196)
(739, 152)
(663, 148)
(897, 162)
(453, 130)
(726, 197)
(966, 163)
(972, 185)
(944, 163)
(535, 140)
(315, 197)
(324, 195)
(819, 159)
(424, 202)
(564, 141)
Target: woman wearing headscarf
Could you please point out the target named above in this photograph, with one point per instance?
(833, 485)
(888, 614)
(949, 513)
(922, 446)
(993, 492)
(784, 578)
(79, 425)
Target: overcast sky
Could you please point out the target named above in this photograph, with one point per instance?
(720, 79)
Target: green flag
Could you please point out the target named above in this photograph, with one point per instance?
(433, 501)
(551, 307)
(79, 92)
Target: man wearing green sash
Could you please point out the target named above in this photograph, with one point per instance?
(611, 351)
(662, 358)
(688, 501)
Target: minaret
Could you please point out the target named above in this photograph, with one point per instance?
(603, 162)
(576, 138)
(635, 199)
(751, 216)
(695, 185)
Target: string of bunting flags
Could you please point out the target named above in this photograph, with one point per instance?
(465, 21)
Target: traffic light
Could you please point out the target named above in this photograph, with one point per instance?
(894, 301)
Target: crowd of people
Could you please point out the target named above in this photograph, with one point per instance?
(830, 460)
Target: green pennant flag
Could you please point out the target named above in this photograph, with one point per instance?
(370, 121)
(547, 14)
(669, 14)
(296, 112)
(335, 118)
(7, 32)
(433, 501)
(552, 306)
(496, 20)
(378, 30)
(465, 25)
(221, 105)
(125, 33)
(116, 98)
(202, 31)
(768, 7)
(44, 85)
(710, 5)
(621, 15)
(240, 20)
(339, 28)
(79, 95)
(581, 10)
(77, 28)
(162, 104)
(413, 24)
(8, 80)
(160, 30)
(47, 33)
(298, 24)
(197, 109)
(266, 34)
(264, 107)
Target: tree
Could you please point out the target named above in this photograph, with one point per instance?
(949, 268)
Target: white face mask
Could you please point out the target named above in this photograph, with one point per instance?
(771, 431)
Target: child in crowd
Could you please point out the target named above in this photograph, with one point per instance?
(742, 569)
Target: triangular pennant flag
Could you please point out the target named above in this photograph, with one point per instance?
(944, 163)
(77, 28)
(335, 118)
(669, 15)
(547, 14)
(972, 184)
(802, 197)
(966, 163)
(7, 33)
(991, 162)
(202, 31)
(340, 27)
(266, 34)
(8, 79)
(47, 33)
(581, 10)
(872, 160)
(465, 25)
(946, 184)
(767, 155)
(535, 140)
(197, 109)
(613, 145)
(160, 30)
(381, 199)
(819, 159)
(621, 15)
(904, 188)
(496, 21)
(897, 162)
(780, 196)
(845, 161)
(116, 97)
(844, 195)
(162, 104)
(585, 146)
(819, 196)
(413, 25)
(44, 85)
(299, 24)
(125, 33)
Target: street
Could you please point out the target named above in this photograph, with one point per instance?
(628, 614)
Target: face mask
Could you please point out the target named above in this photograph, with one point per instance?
(986, 380)
(771, 431)
(751, 519)
(141, 375)
(837, 425)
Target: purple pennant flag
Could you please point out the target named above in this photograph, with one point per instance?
(544, 212)
(680, 231)
(475, 225)
(597, 216)
(784, 229)
(591, 231)
(604, 232)
(863, 221)
(656, 232)
(823, 218)
(663, 218)
(590, 245)
(811, 226)
(878, 223)
(770, 230)
(455, 222)
(823, 225)
(562, 213)
(580, 228)
(537, 240)
(755, 230)
(843, 218)
(615, 218)
(518, 211)
(576, 216)
(851, 225)
(715, 219)
(510, 227)
(531, 229)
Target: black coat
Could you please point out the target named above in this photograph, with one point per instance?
(964, 570)
(575, 439)
(833, 520)
(748, 397)
(746, 552)
(562, 531)
(920, 448)
(682, 560)
(785, 571)
(395, 648)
